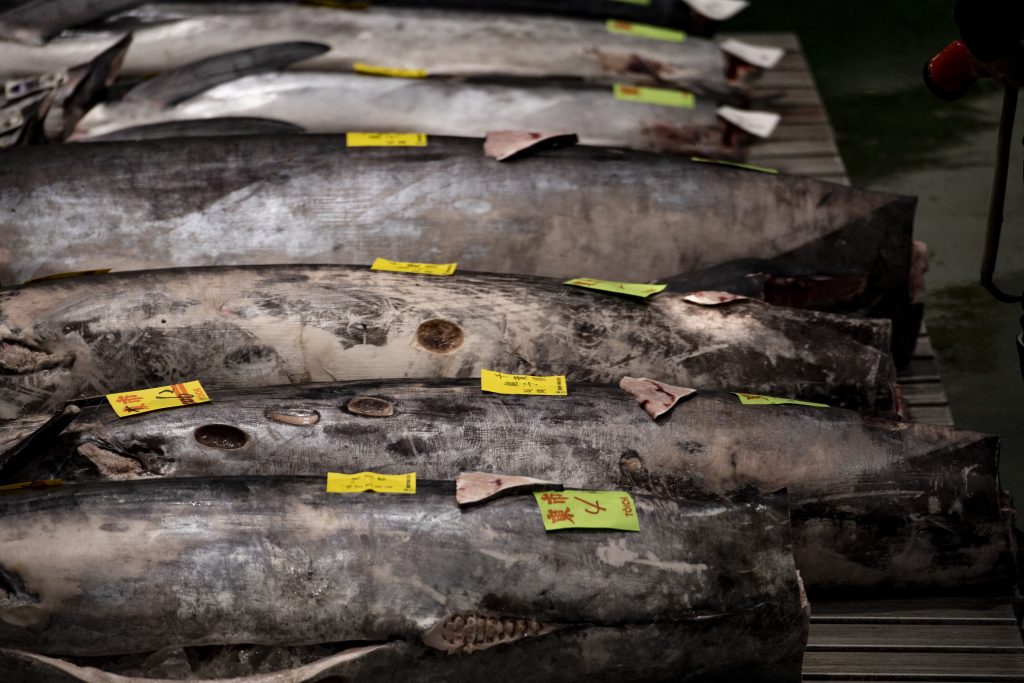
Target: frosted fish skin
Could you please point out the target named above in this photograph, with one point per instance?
(278, 560)
(572, 212)
(876, 505)
(443, 43)
(339, 102)
(257, 325)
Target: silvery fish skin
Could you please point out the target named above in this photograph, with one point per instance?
(270, 560)
(570, 212)
(336, 103)
(876, 505)
(442, 43)
(246, 326)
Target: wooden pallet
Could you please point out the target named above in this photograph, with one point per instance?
(804, 142)
(947, 639)
(940, 639)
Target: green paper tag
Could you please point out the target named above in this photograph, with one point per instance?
(759, 400)
(736, 164)
(587, 510)
(644, 31)
(662, 96)
(628, 288)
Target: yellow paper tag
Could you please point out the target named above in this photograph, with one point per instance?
(26, 485)
(628, 288)
(759, 400)
(420, 268)
(390, 71)
(736, 164)
(129, 403)
(501, 383)
(644, 31)
(587, 510)
(65, 276)
(385, 139)
(361, 482)
(662, 96)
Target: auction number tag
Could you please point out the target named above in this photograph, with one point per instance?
(663, 96)
(390, 71)
(419, 268)
(129, 403)
(644, 31)
(628, 288)
(385, 139)
(587, 510)
(759, 400)
(502, 383)
(361, 482)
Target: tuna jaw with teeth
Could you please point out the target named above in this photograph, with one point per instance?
(467, 633)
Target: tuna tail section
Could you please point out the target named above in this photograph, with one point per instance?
(179, 84)
(87, 85)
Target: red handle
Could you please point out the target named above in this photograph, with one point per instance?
(948, 74)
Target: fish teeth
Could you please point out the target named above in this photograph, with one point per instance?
(468, 633)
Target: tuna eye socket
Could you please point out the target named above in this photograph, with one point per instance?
(224, 437)
(439, 336)
(370, 406)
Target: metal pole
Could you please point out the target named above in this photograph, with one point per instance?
(998, 198)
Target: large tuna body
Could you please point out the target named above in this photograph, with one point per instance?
(337, 102)
(309, 199)
(876, 505)
(441, 43)
(249, 326)
(115, 568)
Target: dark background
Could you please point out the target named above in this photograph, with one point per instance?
(894, 135)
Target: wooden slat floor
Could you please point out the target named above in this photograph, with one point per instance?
(951, 639)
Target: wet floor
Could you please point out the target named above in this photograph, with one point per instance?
(894, 135)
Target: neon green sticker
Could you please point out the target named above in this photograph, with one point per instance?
(736, 164)
(587, 510)
(759, 400)
(628, 288)
(628, 28)
(662, 96)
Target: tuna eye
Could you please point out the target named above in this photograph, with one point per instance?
(370, 406)
(225, 437)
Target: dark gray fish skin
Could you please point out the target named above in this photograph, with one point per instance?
(175, 85)
(204, 128)
(669, 13)
(257, 325)
(876, 505)
(308, 199)
(36, 21)
(117, 568)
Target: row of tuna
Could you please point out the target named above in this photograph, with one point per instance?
(464, 74)
(746, 415)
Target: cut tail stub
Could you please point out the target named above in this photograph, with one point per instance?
(469, 632)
